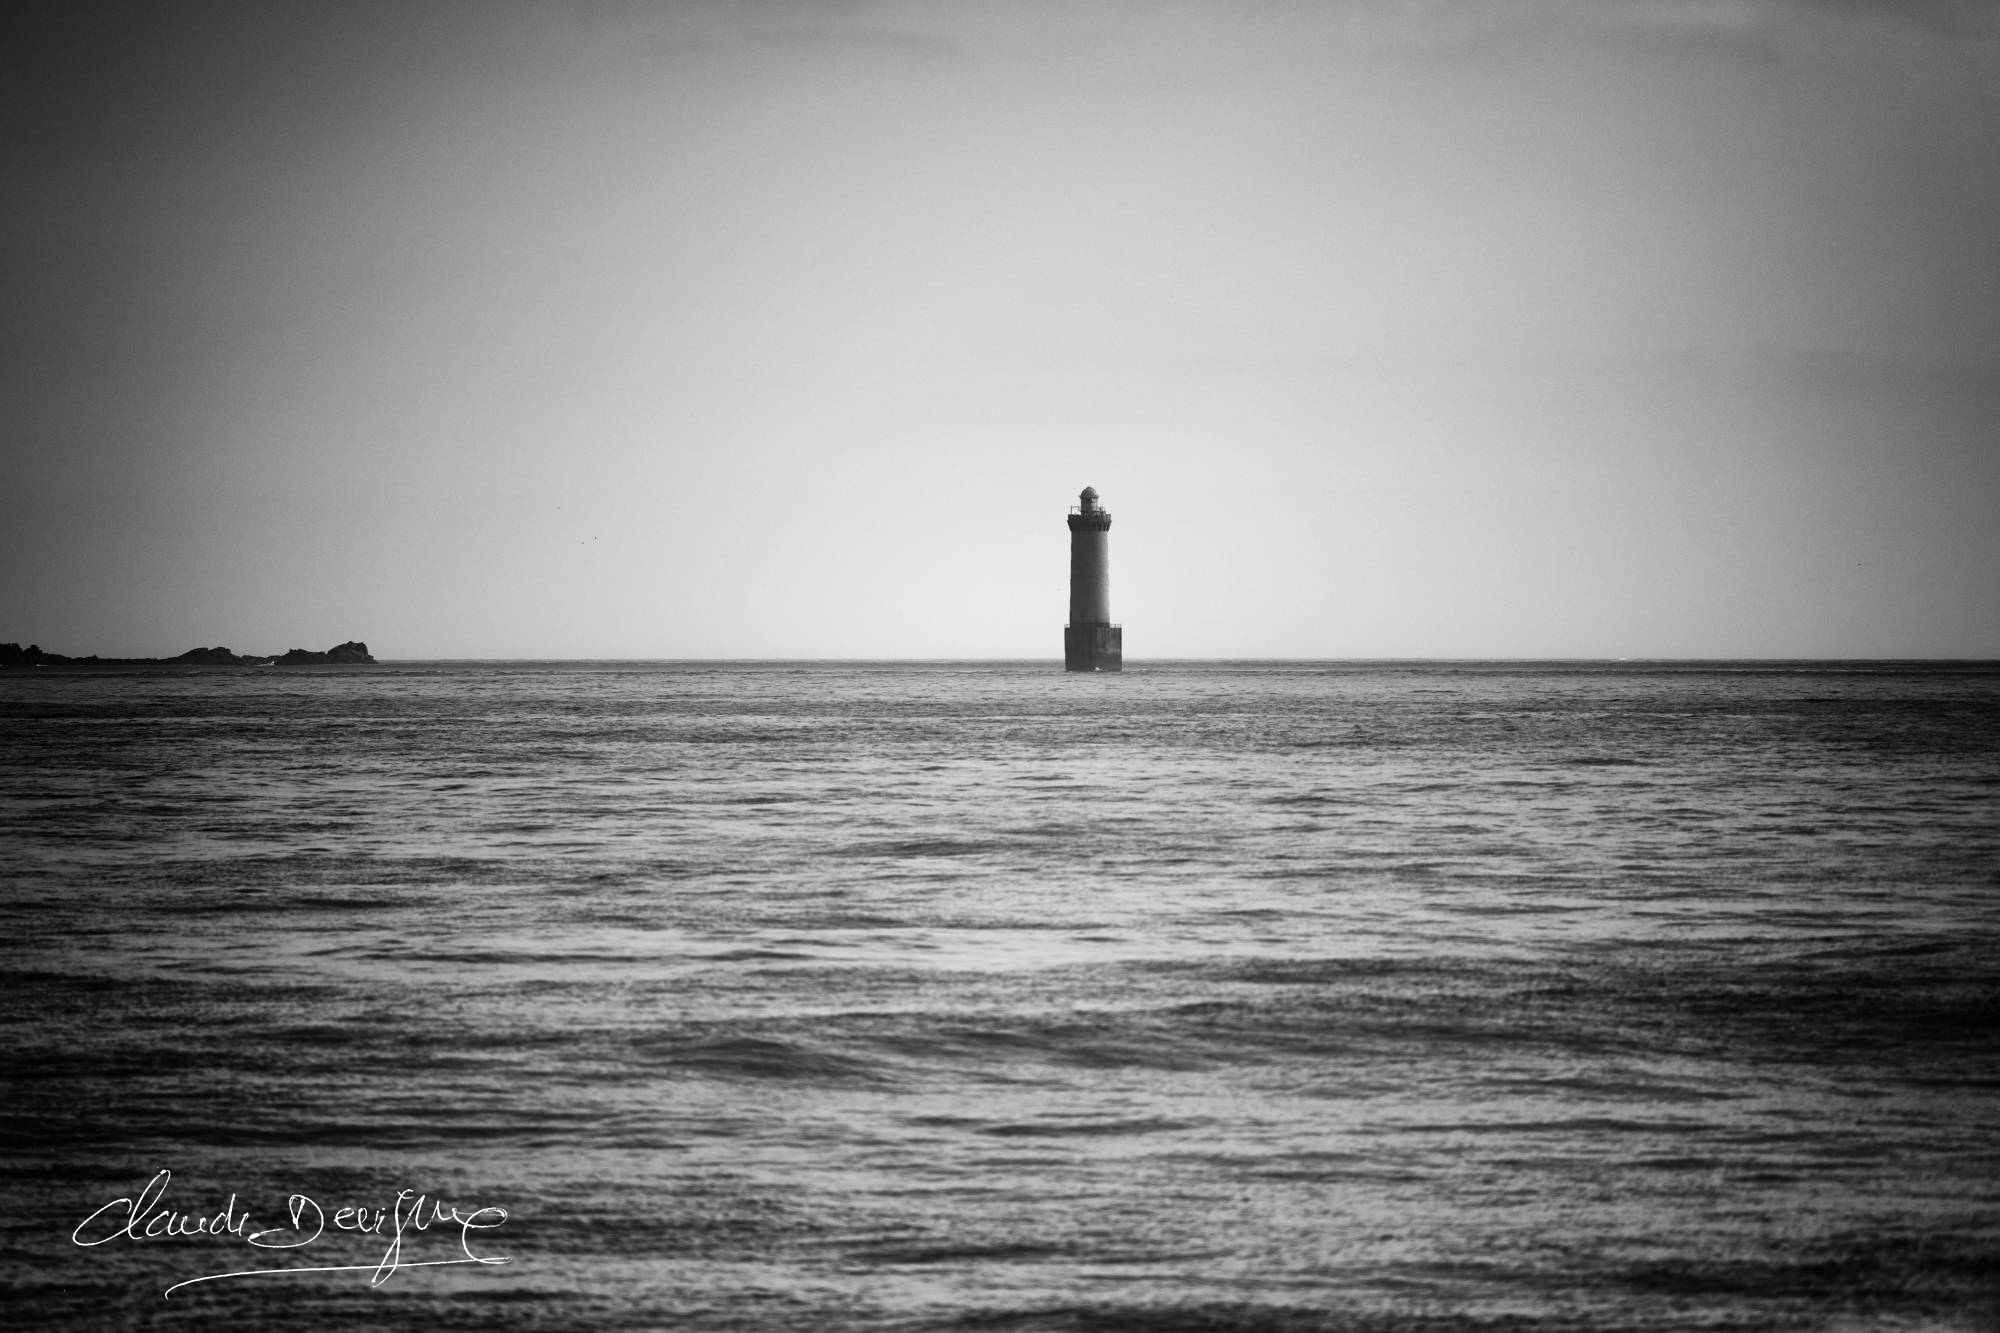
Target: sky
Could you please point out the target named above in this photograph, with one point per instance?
(1550, 328)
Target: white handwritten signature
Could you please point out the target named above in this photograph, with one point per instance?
(147, 1218)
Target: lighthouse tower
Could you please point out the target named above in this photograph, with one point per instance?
(1090, 641)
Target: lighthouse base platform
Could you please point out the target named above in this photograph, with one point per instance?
(1093, 648)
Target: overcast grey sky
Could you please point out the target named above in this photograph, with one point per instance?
(1550, 328)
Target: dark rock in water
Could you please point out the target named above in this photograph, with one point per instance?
(351, 653)
(13, 654)
(211, 657)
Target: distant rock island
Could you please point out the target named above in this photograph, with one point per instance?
(352, 653)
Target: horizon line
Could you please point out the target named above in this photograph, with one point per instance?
(1939, 659)
(389, 661)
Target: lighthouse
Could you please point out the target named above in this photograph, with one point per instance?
(1090, 641)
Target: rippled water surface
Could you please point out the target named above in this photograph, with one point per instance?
(905, 996)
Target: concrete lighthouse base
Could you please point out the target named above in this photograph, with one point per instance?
(1093, 648)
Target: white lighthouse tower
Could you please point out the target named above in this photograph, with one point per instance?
(1090, 641)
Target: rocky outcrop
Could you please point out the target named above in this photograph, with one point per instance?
(212, 657)
(351, 653)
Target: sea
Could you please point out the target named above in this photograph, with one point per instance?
(1223, 996)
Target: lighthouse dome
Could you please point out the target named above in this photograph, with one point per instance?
(1089, 493)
